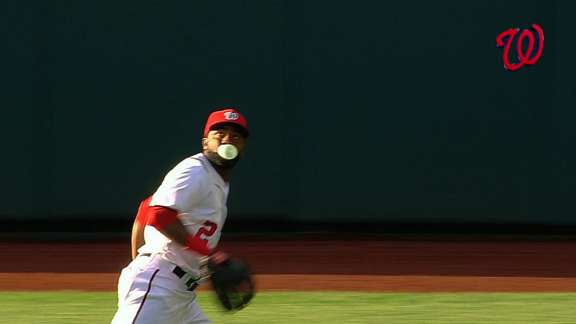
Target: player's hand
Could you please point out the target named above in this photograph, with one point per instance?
(219, 257)
(216, 257)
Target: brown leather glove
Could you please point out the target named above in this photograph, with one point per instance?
(232, 281)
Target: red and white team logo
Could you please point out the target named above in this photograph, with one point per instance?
(528, 50)
(230, 115)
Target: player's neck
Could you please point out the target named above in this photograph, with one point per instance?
(224, 173)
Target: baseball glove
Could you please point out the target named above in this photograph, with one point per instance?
(232, 281)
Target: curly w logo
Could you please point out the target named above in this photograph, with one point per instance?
(521, 47)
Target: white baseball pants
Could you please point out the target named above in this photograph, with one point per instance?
(149, 292)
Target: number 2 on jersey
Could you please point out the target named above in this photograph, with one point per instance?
(208, 229)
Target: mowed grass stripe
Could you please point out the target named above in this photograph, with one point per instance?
(313, 307)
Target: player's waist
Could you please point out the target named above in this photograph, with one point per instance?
(190, 280)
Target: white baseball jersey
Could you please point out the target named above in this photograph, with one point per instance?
(198, 193)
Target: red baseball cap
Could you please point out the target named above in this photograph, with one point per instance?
(226, 116)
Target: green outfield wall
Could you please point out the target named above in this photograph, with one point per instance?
(360, 111)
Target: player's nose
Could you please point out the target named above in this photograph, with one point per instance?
(227, 138)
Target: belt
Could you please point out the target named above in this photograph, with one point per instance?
(191, 283)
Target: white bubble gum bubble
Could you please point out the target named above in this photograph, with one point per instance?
(227, 151)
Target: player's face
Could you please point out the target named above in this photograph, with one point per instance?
(223, 134)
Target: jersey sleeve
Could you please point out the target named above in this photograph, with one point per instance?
(182, 188)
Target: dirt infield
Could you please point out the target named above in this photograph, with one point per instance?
(324, 264)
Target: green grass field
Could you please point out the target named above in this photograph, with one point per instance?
(312, 308)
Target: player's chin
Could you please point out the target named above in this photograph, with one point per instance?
(229, 164)
(221, 162)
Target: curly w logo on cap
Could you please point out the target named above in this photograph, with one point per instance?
(226, 115)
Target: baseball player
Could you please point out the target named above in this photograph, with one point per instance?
(177, 230)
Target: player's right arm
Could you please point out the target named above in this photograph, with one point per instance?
(137, 237)
(181, 189)
(166, 221)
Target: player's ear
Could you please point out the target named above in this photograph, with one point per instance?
(204, 143)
